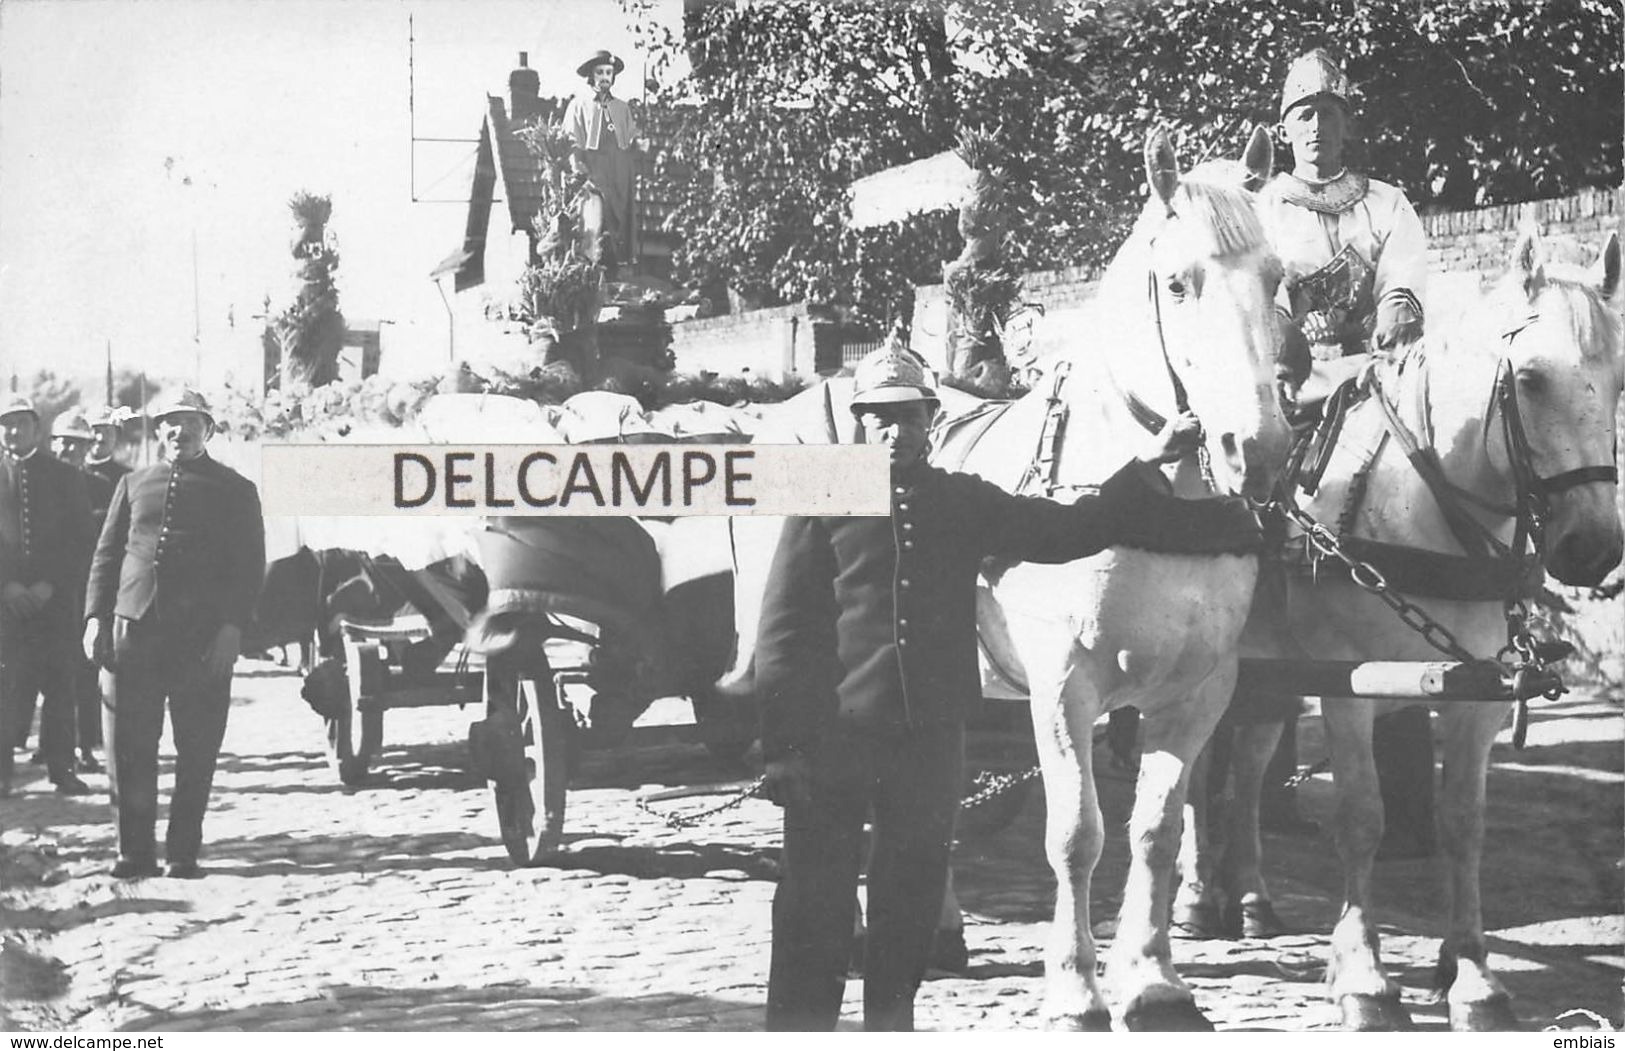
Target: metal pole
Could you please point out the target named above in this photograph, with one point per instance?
(109, 373)
(146, 449)
(197, 324)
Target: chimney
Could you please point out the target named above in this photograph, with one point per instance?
(523, 87)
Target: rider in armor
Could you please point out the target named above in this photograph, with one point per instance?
(1354, 253)
(1355, 261)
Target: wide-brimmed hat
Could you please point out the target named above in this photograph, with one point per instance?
(183, 400)
(1311, 75)
(72, 424)
(585, 69)
(889, 376)
(16, 403)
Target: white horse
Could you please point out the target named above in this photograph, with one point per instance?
(1187, 317)
(1519, 404)
(1188, 320)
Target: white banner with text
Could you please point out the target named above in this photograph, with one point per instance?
(575, 480)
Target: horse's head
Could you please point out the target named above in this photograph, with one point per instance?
(1562, 343)
(1201, 266)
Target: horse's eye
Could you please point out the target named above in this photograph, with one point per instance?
(1176, 286)
(1531, 382)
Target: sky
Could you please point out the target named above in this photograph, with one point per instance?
(127, 127)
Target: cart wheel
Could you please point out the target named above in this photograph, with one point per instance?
(530, 803)
(728, 727)
(988, 819)
(355, 734)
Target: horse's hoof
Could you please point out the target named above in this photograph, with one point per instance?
(1199, 921)
(1166, 1016)
(1096, 1021)
(1253, 918)
(1364, 1013)
(1485, 1016)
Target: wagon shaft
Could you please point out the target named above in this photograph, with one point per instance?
(1430, 680)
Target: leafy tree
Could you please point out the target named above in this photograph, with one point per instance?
(789, 103)
(307, 336)
(50, 393)
(1461, 103)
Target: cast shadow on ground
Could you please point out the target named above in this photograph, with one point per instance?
(57, 920)
(668, 860)
(516, 1007)
(282, 855)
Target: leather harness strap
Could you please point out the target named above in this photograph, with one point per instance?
(1047, 462)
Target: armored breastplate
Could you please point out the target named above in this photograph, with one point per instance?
(1334, 304)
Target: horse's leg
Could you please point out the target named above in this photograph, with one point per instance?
(1197, 902)
(1139, 965)
(1478, 1002)
(1355, 979)
(1073, 839)
(1247, 899)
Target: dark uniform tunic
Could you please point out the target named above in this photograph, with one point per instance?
(182, 552)
(99, 484)
(44, 535)
(866, 664)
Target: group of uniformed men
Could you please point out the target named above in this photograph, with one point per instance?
(121, 590)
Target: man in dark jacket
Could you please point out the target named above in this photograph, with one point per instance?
(72, 439)
(866, 663)
(44, 533)
(176, 574)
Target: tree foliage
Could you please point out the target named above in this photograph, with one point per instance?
(308, 335)
(1461, 103)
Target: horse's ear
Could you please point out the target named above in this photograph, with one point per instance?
(1259, 158)
(1529, 261)
(1605, 272)
(1161, 166)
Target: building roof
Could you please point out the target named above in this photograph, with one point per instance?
(520, 173)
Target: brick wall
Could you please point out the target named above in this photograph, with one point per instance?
(1481, 240)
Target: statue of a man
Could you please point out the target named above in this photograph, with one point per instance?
(606, 151)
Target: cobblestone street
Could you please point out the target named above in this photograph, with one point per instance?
(394, 906)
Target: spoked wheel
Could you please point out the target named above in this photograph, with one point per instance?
(530, 793)
(354, 733)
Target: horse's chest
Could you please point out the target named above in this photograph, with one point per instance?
(1152, 608)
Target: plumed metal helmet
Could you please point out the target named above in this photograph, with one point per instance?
(183, 400)
(72, 424)
(889, 376)
(17, 403)
(1311, 74)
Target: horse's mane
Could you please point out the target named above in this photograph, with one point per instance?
(1215, 208)
(1476, 329)
(1595, 321)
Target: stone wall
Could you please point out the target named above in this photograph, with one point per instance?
(772, 342)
